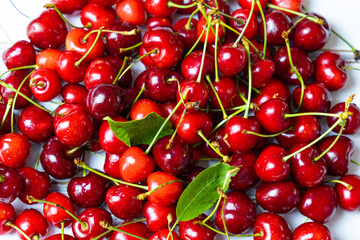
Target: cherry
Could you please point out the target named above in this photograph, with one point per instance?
(294, 5)
(187, 10)
(10, 185)
(69, 6)
(21, 53)
(242, 16)
(157, 216)
(312, 230)
(216, 137)
(132, 11)
(270, 166)
(202, 24)
(231, 59)
(173, 157)
(276, 23)
(59, 236)
(352, 125)
(74, 93)
(88, 191)
(36, 124)
(191, 64)
(247, 5)
(68, 108)
(144, 107)
(191, 124)
(193, 230)
(118, 63)
(349, 200)
(122, 203)
(138, 229)
(192, 172)
(32, 223)
(167, 108)
(246, 177)
(161, 8)
(187, 31)
(45, 84)
(262, 71)
(55, 215)
(328, 70)
(98, 72)
(271, 226)
(273, 89)
(8, 215)
(55, 160)
(278, 197)
(68, 69)
(108, 140)
(271, 115)
(301, 61)
(91, 217)
(156, 21)
(36, 184)
(103, 3)
(318, 203)
(97, 16)
(239, 213)
(162, 234)
(48, 30)
(135, 165)
(111, 165)
(48, 58)
(317, 98)
(14, 150)
(166, 195)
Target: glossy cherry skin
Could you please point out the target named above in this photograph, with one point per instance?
(162, 234)
(190, 66)
(144, 107)
(159, 87)
(202, 24)
(69, 6)
(271, 226)
(247, 4)
(193, 91)
(273, 89)
(318, 203)
(138, 229)
(66, 109)
(74, 93)
(160, 8)
(191, 124)
(311, 36)
(192, 230)
(103, 3)
(108, 140)
(135, 165)
(10, 185)
(14, 150)
(218, 138)
(55, 215)
(45, 84)
(349, 200)
(99, 71)
(328, 70)
(338, 157)
(21, 53)
(67, 68)
(242, 16)
(301, 61)
(8, 214)
(294, 5)
(111, 165)
(48, 30)
(97, 16)
(122, 203)
(313, 231)
(156, 21)
(88, 191)
(276, 23)
(239, 213)
(176, 158)
(188, 33)
(271, 116)
(48, 58)
(131, 11)
(157, 216)
(167, 109)
(278, 197)
(6, 128)
(36, 124)
(56, 162)
(237, 139)
(317, 98)
(270, 166)
(231, 59)
(117, 62)
(92, 217)
(32, 223)
(352, 125)
(35, 183)
(59, 237)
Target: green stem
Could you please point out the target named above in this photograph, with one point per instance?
(246, 25)
(351, 68)
(312, 18)
(219, 232)
(107, 225)
(52, 6)
(62, 230)
(8, 107)
(171, 4)
(223, 219)
(77, 63)
(209, 143)
(354, 162)
(356, 52)
(176, 129)
(216, 54)
(289, 115)
(71, 151)
(136, 99)
(37, 163)
(123, 224)
(188, 24)
(2, 178)
(209, 159)
(246, 45)
(196, 43)
(348, 186)
(121, 50)
(265, 30)
(18, 68)
(94, 153)
(241, 109)
(225, 116)
(143, 196)
(264, 135)
(204, 50)
(10, 224)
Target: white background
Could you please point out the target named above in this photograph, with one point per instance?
(341, 15)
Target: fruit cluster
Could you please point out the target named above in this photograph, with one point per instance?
(234, 86)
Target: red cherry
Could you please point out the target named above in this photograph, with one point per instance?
(188, 33)
(111, 165)
(103, 3)
(74, 93)
(21, 53)
(108, 140)
(271, 226)
(156, 21)
(137, 229)
(352, 125)
(190, 66)
(56, 215)
(193, 91)
(66, 6)
(276, 23)
(202, 24)
(48, 58)
(160, 7)
(157, 215)
(312, 230)
(262, 71)
(8, 214)
(132, 11)
(32, 223)
(144, 107)
(349, 200)
(163, 234)
(99, 71)
(218, 138)
(67, 68)
(247, 4)
(242, 16)
(14, 150)
(192, 230)
(294, 5)
(231, 59)
(97, 16)
(10, 184)
(45, 84)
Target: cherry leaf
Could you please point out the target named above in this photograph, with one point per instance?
(202, 192)
(141, 131)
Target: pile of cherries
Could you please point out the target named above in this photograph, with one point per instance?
(238, 86)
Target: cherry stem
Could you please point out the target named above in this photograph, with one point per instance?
(354, 162)
(354, 50)
(348, 186)
(18, 68)
(176, 129)
(265, 30)
(82, 164)
(126, 60)
(123, 224)
(224, 157)
(239, 92)
(131, 32)
(121, 50)
(196, 43)
(162, 127)
(239, 21)
(8, 107)
(77, 63)
(201, 8)
(351, 68)
(6, 34)
(246, 24)
(143, 196)
(216, 53)
(223, 219)
(188, 24)
(31, 199)
(219, 232)
(204, 50)
(241, 109)
(10, 224)
(312, 18)
(264, 135)
(94, 153)
(62, 230)
(52, 6)
(225, 116)
(108, 226)
(136, 99)
(2, 178)
(209, 159)
(289, 115)
(121, 74)
(247, 84)
(37, 163)
(171, 4)
(71, 151)
(246, 45)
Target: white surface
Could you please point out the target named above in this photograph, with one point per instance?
(342, 16)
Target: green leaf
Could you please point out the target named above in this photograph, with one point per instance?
(201, 193)
(140, 131)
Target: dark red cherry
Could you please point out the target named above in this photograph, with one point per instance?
(48, 58)
(69, 6)
(278, 197)
(276, 23)
(273, 89)
(312, 230)
(122, 203)
(216, 137)
(137, 229)
(231, 59)
(14, 150)
(48, 30)
(97, 16)
(45, 84)
(67, 68)
(157, 216)
(167, 109)
(226, 90)
(8, 215)
(32, 223)
(192, 230)
(271, 226)
(111, 165)
(262, 71)
(160, 8)
(10, 185)
(247, 4)
(239, 213)
(74, 93)
(156, 21)
(187, 10)
(163, 234)
(55, 215)
(349, 200)
(190, 66)
(132, 11)
(98, 72)
(187, 32)
(21, 53)
(318, 203)
(242, 16)
(193, 171)
(109, 142)
(352, 125)
(117, 62)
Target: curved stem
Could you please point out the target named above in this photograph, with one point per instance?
(196, 43)
(356, 52)
(143, 196)
(188, 24)
(265, 30)
(123, 224)
(223, 219)
(246, 45)
(171, 4)
(225, 116)
(121, 50)
(219, 232)
(136, 99)
(312, 18)
(348, 186)
(8, 107)
(246, 24)
(107, 225)
(94, 153)
(209, 143)
(10, 224)
(18, 68)
(241, 109)
(204, 49)
(289, 115)
(264, 135)
(77, 63)
(52, 6)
